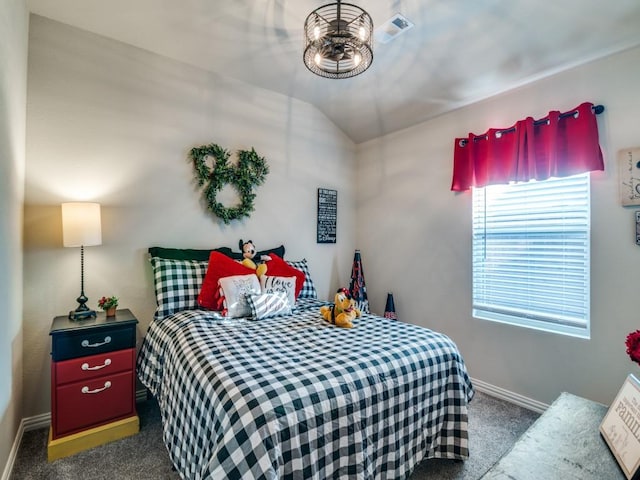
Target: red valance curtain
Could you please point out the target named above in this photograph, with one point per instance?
(560, 145)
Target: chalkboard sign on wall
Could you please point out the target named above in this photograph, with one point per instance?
(327, 215)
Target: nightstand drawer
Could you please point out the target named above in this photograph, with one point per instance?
(94, 402)
(86, 368)
(80, 343)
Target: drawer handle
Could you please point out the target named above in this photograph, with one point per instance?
(85, 343)
(107, 384)
(107, 362)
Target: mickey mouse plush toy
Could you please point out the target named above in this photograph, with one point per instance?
(248, 253)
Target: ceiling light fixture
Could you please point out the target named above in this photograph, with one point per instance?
(338, 40)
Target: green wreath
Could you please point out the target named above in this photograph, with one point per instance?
(250, 172)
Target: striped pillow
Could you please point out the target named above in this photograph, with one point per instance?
(267, 305)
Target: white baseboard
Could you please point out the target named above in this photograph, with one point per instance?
(13, 453)
(26, 424)
(41, 421)
(508, 396)
(141, 395)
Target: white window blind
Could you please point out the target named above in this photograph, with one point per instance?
(531, 252)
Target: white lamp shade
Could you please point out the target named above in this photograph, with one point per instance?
(81, 224)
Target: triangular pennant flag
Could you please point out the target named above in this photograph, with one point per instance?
(390, 308)
(357, 287)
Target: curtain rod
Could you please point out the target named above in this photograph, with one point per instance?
(597, 109)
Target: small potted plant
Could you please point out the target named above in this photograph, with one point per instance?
(109, 304)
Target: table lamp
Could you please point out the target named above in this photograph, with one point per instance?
(81, 227)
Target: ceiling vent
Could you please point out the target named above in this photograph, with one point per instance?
(392, 28)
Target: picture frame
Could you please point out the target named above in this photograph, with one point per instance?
(620, 428)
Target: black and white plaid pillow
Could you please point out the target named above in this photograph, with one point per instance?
(177, 284)
(266, 305)
(308, 288)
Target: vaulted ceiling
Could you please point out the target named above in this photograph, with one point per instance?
(459, 52)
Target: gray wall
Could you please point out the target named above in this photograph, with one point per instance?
(113, 124)
(415, 235)
(14, 28)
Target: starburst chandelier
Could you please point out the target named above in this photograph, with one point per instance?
(338, 40)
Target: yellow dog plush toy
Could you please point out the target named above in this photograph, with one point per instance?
(343, 312)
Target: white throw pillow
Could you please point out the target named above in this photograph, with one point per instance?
(280, 284)
(235, 289)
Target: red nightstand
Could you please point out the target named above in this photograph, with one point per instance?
(92, 382)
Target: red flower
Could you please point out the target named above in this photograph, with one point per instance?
(107, 302)
(633, 346)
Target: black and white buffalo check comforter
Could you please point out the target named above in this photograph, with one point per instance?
(297, 398)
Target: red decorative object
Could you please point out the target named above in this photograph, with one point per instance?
(277, 267)
(560, 145)
(633, 346)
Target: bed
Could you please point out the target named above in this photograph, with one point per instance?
(294, 397)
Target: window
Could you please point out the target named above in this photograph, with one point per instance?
(531, 252)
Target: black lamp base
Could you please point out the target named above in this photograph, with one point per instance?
(82, 312)
(82, 315)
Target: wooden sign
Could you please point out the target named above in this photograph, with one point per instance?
(327, 215)
(629, 176)
(621, 427)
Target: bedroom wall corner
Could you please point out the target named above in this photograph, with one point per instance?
(111, 123)
(416, 234)
(14, 34)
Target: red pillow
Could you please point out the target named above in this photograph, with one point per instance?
(220, 266)
(277, 267)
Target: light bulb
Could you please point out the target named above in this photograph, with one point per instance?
(316, 32)
(357, 58)
(317, 59)
(363, 33)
